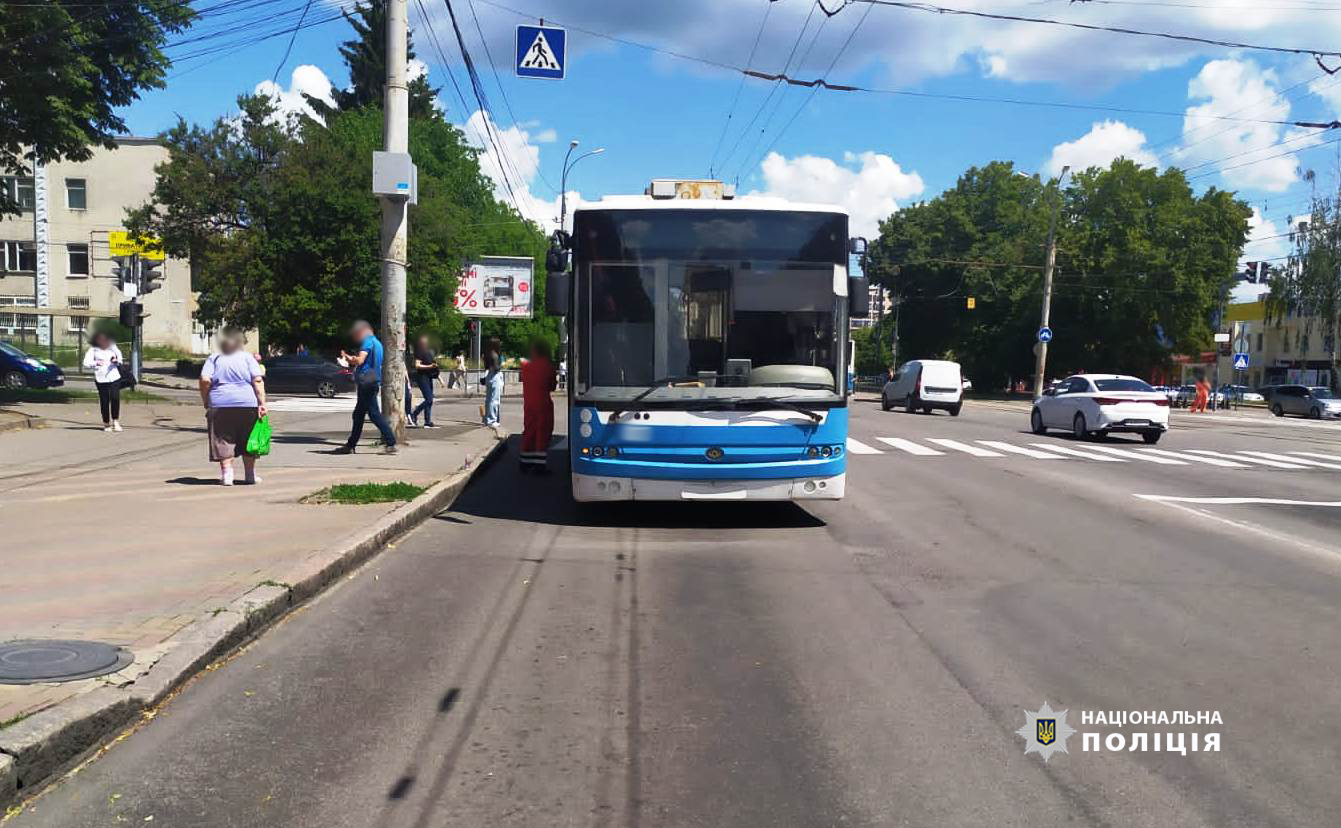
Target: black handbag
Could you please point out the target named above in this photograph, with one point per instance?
(127, 378)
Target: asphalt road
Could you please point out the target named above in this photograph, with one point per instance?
(523, 661)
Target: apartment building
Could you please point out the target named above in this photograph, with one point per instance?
(1289, 350)
(87, 200)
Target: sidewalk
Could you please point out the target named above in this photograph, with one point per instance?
(128, 539)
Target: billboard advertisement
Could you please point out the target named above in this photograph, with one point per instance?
(497, 286)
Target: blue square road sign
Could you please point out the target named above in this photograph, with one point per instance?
(541, 52)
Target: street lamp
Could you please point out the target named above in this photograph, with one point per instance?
(563, 181)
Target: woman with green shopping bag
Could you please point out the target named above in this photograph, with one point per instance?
(232, 388)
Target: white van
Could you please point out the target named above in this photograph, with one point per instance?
(926, 384)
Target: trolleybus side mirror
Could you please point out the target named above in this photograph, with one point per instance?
(858, 297)
(558, 282)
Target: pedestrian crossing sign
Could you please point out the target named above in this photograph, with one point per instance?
(541, 52)
(1240, 362)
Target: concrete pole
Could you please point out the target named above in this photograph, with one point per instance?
(42, 251)
(1050, 259)
(395, 219)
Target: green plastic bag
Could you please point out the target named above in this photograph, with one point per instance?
(258, 442)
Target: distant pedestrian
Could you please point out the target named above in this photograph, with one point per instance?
(493, 389)
(458, 376)
(1203, 396)
(106, 361)
(538, 383)
(232, 388)
(425, 371)
(366, 362)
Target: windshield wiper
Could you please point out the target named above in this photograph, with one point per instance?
(766, 402)
(656, 385)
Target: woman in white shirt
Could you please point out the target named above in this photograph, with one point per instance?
(105, 359)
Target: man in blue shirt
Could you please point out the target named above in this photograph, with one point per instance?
(367, 365)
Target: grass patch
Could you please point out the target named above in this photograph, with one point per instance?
(71, 395)
(358, 493)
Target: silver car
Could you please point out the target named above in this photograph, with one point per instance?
(1305, 401)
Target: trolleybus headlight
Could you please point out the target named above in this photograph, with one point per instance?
(584, 430)
(826, 451)
(714, 453)
(585, 415)
(597, 451)
(813, 451)
(613, 451)
(837, 450)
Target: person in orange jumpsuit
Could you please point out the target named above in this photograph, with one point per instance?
(1203, 396)
(538, 382)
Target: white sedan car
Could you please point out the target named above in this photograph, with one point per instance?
(1096, 404)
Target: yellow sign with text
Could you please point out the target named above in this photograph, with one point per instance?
(121, 243)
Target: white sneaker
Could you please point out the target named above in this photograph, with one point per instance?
(107, 429)
(253, 480)
(116, 425)
(411, 424)
(226, 478)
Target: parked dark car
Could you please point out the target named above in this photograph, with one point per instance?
(19, 370)
(306, 374)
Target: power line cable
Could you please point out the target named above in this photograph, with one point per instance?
(1183, 38)
(288, 50)
(730, 112)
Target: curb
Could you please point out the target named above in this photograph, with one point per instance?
(35, 750)
(19, 422)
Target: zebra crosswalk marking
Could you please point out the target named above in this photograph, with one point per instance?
(1131, 455)
(910, 447)
(1317, 464)
(855, 446)
(964, 447)
(1210, 461)
(1027, 452)
(1084, 455)
(1317, 455)
(1261, 461)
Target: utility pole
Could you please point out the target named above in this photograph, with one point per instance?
(41, 253)
(1050, 259)
(395, 218)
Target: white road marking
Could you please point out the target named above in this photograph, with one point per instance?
(964, 447)
(855, 446)
(1241, 501)
(1275, 464)
(910, 447)
(1336, 457)
(1285, 457)
(1282, 542)
(1078, 453)
(1149, 458)
(1027, 452)
(1195, 458)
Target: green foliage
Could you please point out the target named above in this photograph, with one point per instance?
(1309, 286)
(66, 68)
(365, 56)
(371, 492)
(283, 233)
(1141, 266)
(873, 348)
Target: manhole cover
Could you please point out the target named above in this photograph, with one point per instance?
(30, 662)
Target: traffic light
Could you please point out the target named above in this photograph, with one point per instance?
(151, 275)
(971, 303)
(131, 314)
(123, 271)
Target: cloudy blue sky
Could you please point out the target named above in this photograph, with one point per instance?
(651, 83)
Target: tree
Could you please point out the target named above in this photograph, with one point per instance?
(282, 230)
(66, 66)
(1309, 285)
(1142, 265)
(365, 55)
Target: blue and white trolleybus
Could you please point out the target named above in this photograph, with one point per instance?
(707, 340)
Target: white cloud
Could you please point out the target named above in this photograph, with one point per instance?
(305, 79)
(415, 69)
(868, 184)
(1104, 142)
(1242, 152)
(521, 162)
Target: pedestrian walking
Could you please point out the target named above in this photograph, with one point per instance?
(458, 375)
(232, 389)
(367, 364)
(1203, 396)
(493, 389)
(538, 383)
(425, 371)
(106, 362)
